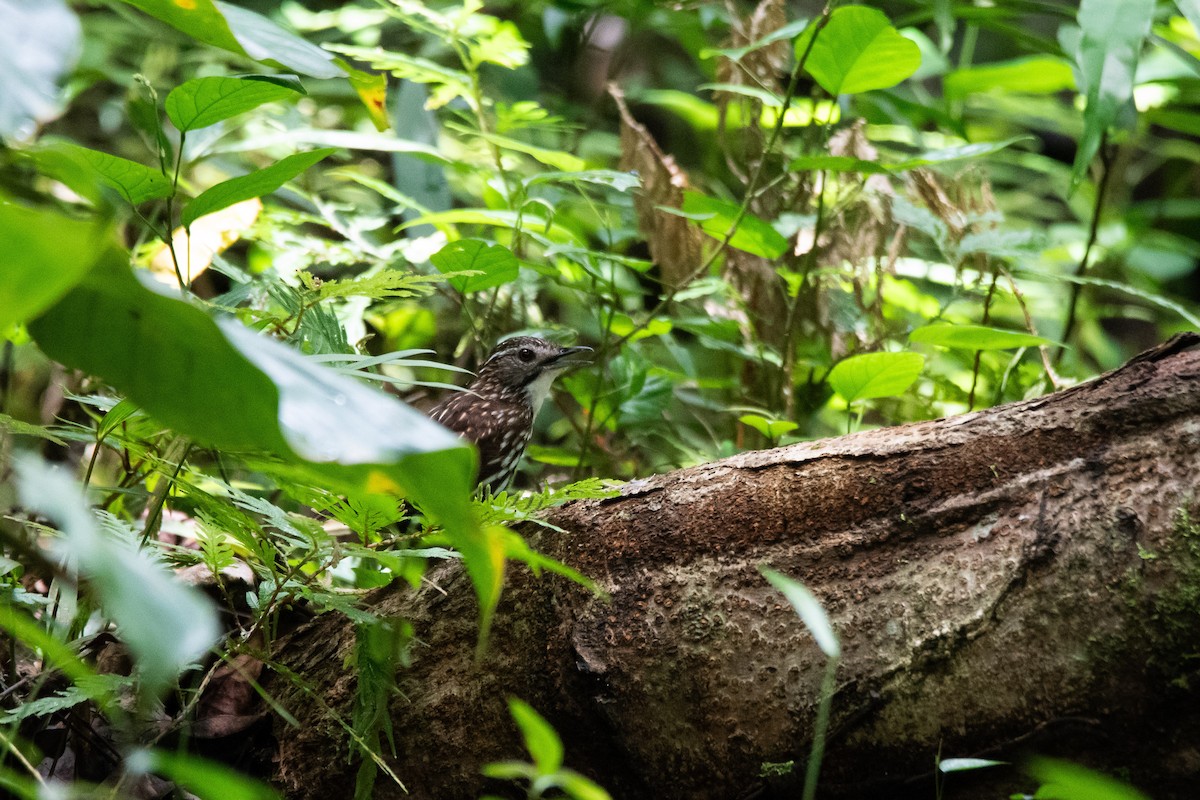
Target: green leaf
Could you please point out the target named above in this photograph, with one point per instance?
(201, 102)
(613, 179)
(483, 550)
(976, 150)
(871, 375)
(1113, 32)
(858, 50)
(529, 223)
(45, 254)
(558, 159)
(205, 779)
(967, 764)
(231, 388)
(974, 337)
(770, 428)
(837, 164)
(808, 608)
(199, 19)
(166, 624)
(264, 41)
(497, 264)
(255, 184)
(541, 741)
(1062, 780)
(1039, 74)
(579, 787)
(135, 182)
(752, 234)
(39, 43)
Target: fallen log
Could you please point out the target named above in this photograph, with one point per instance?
(1025, 578)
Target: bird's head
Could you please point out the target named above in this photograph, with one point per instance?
(529, 364)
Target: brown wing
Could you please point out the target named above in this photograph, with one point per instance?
(499, 429)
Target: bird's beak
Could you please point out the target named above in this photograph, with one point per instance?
(565, 359)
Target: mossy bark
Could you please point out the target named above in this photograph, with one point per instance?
(1020, 579)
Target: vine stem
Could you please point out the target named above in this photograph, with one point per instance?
(1106, 163)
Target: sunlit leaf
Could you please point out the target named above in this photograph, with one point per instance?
(858, 50)
(770, 428)
(974, 337)
(255, 184)
(496, 262)
(752, 234)
(201, 102)
(808, 608)
(208, 236)
(872, 375)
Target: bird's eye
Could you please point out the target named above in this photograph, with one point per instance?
(525, 354)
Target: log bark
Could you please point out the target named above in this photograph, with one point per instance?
(1025, 578)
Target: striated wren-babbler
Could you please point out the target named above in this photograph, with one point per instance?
(497, 410)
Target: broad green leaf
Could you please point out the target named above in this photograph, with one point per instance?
(1062, 780)
(752, 234)
(199, 19)
(496, 262)
(974, 337)
(808, 608)
(166, 624)
(1040, 74)
(541, 741)
(255, 184)
(205, 779)
(770, 428)
(45, 254)
(135, 182)
(201, 102)
(858, 50)
(871, 375)
(231, 388)
(264, 41)
(967, 764)
(39, 44)
(1113, 32)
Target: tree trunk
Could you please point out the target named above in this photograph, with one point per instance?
(1025, 578)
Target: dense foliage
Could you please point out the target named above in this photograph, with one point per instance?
(229, 231)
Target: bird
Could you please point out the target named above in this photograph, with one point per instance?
(496, 412)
